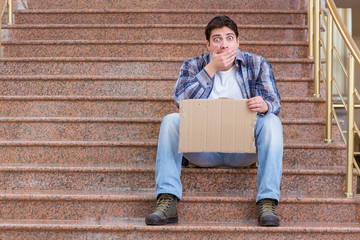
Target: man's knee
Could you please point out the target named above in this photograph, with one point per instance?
(171, 121)
(172, 118)
(269, 124)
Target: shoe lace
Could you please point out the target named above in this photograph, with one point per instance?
(164, 202)
(267, 205)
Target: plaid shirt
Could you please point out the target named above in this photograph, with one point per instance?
(254, 77)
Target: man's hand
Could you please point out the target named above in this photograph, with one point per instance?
(221, 60)
(257, 104)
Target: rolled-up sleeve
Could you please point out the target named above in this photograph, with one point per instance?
(267, 87)
(193, 82)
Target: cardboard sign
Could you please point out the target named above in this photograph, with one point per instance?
(216, 125)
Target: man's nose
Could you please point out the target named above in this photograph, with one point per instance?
(224, 45)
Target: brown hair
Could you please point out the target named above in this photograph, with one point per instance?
(220, 22)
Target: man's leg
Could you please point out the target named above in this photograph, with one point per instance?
(167, 176)
(168, 159)
(269, 143)
(168, 170)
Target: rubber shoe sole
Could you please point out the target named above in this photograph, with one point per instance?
(269, 221)
(156, 220)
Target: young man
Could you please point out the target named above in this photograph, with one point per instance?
(223, 72)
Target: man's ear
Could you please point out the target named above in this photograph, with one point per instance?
(208, 45)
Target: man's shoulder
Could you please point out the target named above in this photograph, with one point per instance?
(199, 60)
(250, 57)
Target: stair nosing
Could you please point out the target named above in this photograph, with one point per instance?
(287, 121)
(84, 98)
(102, 226)
(178, 11)
(128, 143)
(230, 227)
(287, 170)
(128, 98)
(148, 143)
(82, 119)
(120, 78)
(202, 26)
(134, 59)
(148, 195)
(146, 42)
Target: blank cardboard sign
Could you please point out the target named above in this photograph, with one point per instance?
(216, 125)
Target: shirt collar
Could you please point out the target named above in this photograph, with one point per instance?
(239, 58)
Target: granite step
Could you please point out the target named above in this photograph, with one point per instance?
(120, 129)
(113, 107)
(235, 206)
(327, 180)
(160, 4)
(299, 107)
(298, 87)
(160, 16)
(134, 66)
(50, 85)
(147, 48)
(135, 228)
(98, 183)
(142, 153)
(133, 32)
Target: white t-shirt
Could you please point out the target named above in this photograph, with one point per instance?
(225, 85)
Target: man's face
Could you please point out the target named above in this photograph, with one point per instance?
(224, 38)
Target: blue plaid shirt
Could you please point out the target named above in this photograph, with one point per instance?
(254, 77)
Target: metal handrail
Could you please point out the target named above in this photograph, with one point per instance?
(349, 41)
(315, 44)
(10, 8)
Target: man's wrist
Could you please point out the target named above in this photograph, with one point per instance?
(266, 108)
(210, 70)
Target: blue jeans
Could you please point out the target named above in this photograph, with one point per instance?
(269, 144)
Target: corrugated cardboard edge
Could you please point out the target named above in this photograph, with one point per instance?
(253, 122)
(235, 107)
(253, 118)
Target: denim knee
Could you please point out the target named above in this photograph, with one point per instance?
(171, 119)
(269, 123)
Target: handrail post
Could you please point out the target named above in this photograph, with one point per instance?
(317, 59)
(329, 77)
(0, 32)
(311, 28)
(350, 128)
(10, 12)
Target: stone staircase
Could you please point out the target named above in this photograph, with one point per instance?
(84, 86)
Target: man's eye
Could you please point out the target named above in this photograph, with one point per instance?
(216, 39)
(230, 38)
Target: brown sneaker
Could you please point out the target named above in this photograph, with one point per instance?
(165, 211)
(267, 215)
